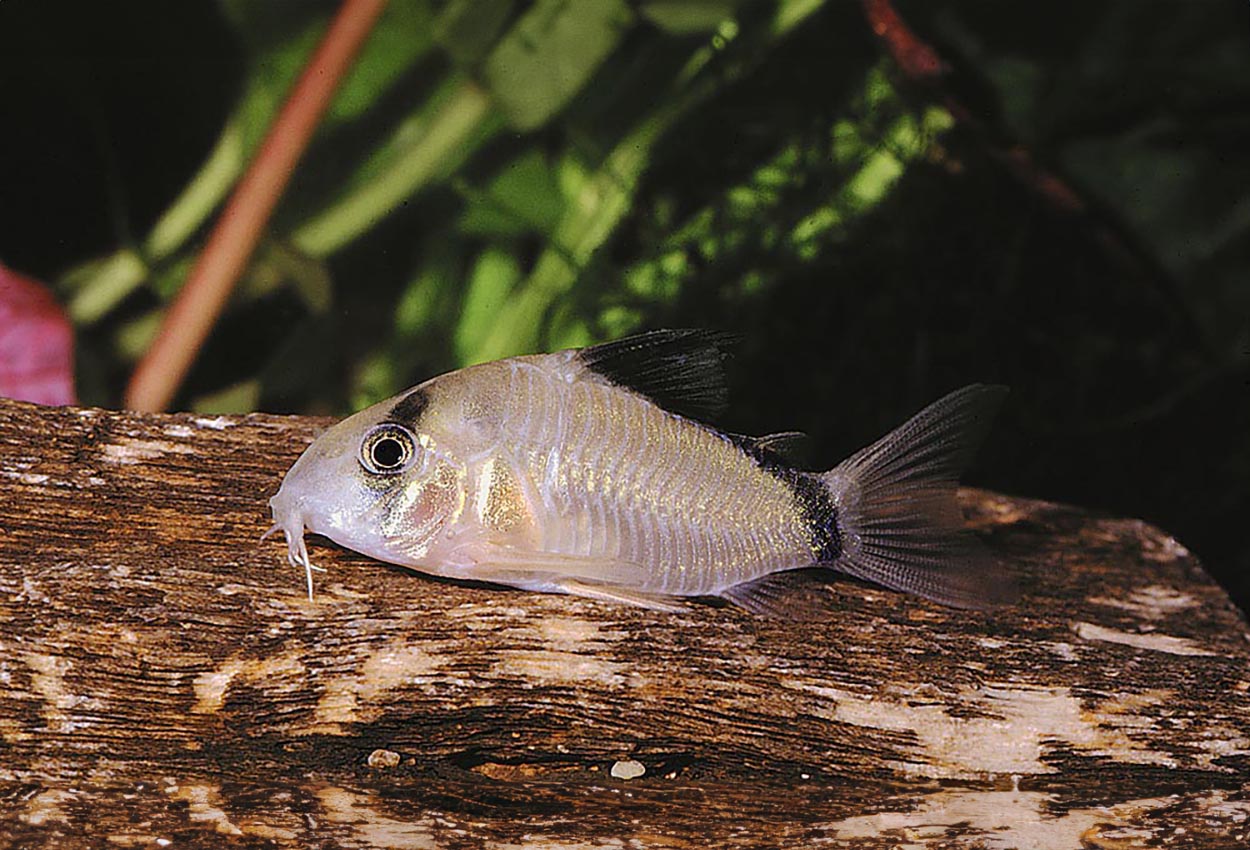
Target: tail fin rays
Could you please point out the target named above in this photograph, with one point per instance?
(899, 522)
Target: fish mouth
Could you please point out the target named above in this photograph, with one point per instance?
(291, 524)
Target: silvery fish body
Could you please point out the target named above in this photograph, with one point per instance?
(574, 472)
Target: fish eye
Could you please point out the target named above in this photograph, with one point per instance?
(387, 449)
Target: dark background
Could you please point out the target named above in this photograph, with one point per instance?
(1121, 325)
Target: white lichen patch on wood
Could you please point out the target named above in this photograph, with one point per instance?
(48, 682)
(485, 615)
(1023, 723)
(1220, 809)
(18, 470)
(137, 839)
(531, 841)
(278, 673)
(128, 450)
(359, 698)
(1149, 640)
(1212, 820)
(369, 828)
(31, 478)
(12, 731)
(44, 808)
(215, 423)
(564, 632)
(997, 509)
(1062, 650)
(563, 650)
(1161, 548)
(1000, 820)
(550, 666)
(204, 806)
(1220, 741)
(1153, 602)
(207, 804)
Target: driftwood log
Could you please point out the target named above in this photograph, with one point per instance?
(166, 683)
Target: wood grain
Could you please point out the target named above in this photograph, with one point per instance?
(166, 682)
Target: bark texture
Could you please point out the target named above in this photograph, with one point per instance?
(166, 682)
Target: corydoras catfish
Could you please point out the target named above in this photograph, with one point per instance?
(591, 472)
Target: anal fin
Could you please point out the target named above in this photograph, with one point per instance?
(797, 596)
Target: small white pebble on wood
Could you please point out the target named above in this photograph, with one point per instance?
(628, 769)
(383, 759)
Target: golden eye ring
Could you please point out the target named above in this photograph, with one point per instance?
(388, 449)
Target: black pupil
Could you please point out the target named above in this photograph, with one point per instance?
(387, 452)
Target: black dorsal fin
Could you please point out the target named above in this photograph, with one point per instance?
(680, 370)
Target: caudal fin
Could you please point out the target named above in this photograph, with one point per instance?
(898, 521)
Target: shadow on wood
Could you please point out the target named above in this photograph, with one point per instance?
(166, 680)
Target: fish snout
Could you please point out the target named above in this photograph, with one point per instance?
(288, 517)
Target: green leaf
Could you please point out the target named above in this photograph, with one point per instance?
(596, 203)
(431, 298)
(686, 17)
(273, 71)
(467, 29)
(427, 146)
(135, 336)
(593, 211)
(375, 379)
(524, 197)
(492, 279)
(402, 35)
(100, 285)
(278, 265)
(553, 50)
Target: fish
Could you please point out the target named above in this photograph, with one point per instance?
(594, 472)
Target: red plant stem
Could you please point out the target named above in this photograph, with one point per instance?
(917, 60)
(193, 313)
(921, 64)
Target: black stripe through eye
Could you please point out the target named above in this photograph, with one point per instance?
(407, 411)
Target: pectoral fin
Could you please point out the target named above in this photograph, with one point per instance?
(496, 562)
(554, 572)
(622, 595)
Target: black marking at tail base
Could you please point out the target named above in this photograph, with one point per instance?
(407, 411)
(812, 497)
(680, 370)
(819, 511)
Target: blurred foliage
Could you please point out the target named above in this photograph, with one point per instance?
(485, 113)
(503, 176)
